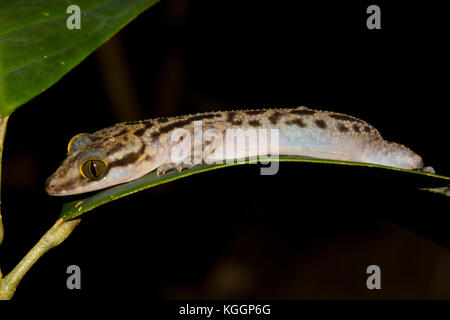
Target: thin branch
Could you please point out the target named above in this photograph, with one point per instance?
(52, 238)
(3, 122)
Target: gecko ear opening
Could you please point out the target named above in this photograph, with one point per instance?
(78, 141)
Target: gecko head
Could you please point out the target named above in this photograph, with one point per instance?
(94, 163)
(393, 155)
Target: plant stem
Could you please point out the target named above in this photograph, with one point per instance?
(3, 122)
(52, 238)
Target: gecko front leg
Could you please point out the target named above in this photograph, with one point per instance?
(161, 170)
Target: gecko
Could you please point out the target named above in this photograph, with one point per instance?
(129, 150)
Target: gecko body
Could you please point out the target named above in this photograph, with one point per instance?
(129, 150)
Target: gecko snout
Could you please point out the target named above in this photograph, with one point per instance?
(49, 186)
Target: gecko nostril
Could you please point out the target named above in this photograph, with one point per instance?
(49, 185)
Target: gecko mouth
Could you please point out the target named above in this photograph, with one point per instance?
(55, 189)
(52, 189)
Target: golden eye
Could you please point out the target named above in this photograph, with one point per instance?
(94, 169)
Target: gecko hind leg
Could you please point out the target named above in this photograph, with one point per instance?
(427, 170)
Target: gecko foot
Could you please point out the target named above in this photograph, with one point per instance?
(428, 170)
(160, 173)
(170, 166)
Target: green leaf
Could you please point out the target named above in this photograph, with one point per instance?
(74, 209)
(37, 48)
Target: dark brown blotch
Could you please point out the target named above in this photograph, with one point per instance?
(356, 128)
(342, 128)
(231, 119)
(201, 117)
(103, 140)
(174, 125)
(155, 134)
(254, 123)
(139, 132)
(321, 124)
(148, 125)
(178, 124)
(121, 132)
(345, 117)
(298, 122)
(254, 112)
(129, 158)
(275, 117)
(367, 129)
(230, 116)
(303, 112)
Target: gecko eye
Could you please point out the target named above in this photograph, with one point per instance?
(94, 169)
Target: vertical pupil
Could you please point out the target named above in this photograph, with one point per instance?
(93, 168)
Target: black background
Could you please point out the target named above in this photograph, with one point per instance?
(308, 232)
